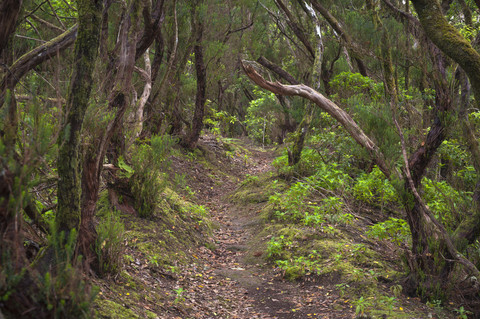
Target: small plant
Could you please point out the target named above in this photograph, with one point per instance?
(276, 247)
(292, 205)
(330, 230)
(389, 303)
(443, 199)
(358, 251)
(245, 159)
(63, 291)
(346, 219)
(297, 267)
(314, 219)
(173, 269)
(342, 289)
(361, 305)
(250, 179)
(154, 260)
(332, 205)
(199, 210)
(462, 313)
(437, 304)
(150, 163)
(394, 229)
(109, 245)
(179, 295)
(374, 188)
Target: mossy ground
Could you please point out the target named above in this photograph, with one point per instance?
(206, 252)
(360, 271)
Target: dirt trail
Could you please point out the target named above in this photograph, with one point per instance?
(239, 288)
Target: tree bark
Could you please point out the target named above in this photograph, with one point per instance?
(119, 99)
(200, 98)
(449, 40)
(68, 163)
(9, 10)
(453, 44)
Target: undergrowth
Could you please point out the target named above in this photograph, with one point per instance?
(315, 224)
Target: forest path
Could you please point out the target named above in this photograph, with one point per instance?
(234, 285)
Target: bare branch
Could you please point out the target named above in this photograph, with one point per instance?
(46, 23)
(325, 104)
(278, 70)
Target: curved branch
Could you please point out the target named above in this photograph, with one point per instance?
(278, 70)
(325, 104)
(35, 57)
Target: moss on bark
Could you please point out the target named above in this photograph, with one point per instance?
(68, 164)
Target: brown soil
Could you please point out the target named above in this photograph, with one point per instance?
(248, 287)
(231, 278)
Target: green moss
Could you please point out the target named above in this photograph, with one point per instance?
(258, 189)
(151, 315)
(108, 309)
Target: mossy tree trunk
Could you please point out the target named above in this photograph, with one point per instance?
(119, 99)
(68, 162)
(453, 44)
(298, 137)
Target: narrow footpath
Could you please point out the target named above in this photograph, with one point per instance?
(224, 283)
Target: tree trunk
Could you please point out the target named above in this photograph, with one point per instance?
(68, 163)
(295, 154)
(119, 100)
(453, 44)
(197, 122)
(9, 10)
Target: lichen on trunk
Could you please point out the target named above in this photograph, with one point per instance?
(68, 163)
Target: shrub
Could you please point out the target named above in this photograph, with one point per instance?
(261, 117)
(63, 292)
(148, 180)
(110, 244)
(444, 201)
(374, 188)
(395, 229)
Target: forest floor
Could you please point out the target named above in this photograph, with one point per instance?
(254, 289)
(228, 276)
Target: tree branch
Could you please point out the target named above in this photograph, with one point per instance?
(325, 104)
(278, 70)
(35, 57)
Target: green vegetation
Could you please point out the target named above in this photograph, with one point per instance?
(110, 245)
(149, 163)
(125, 123)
